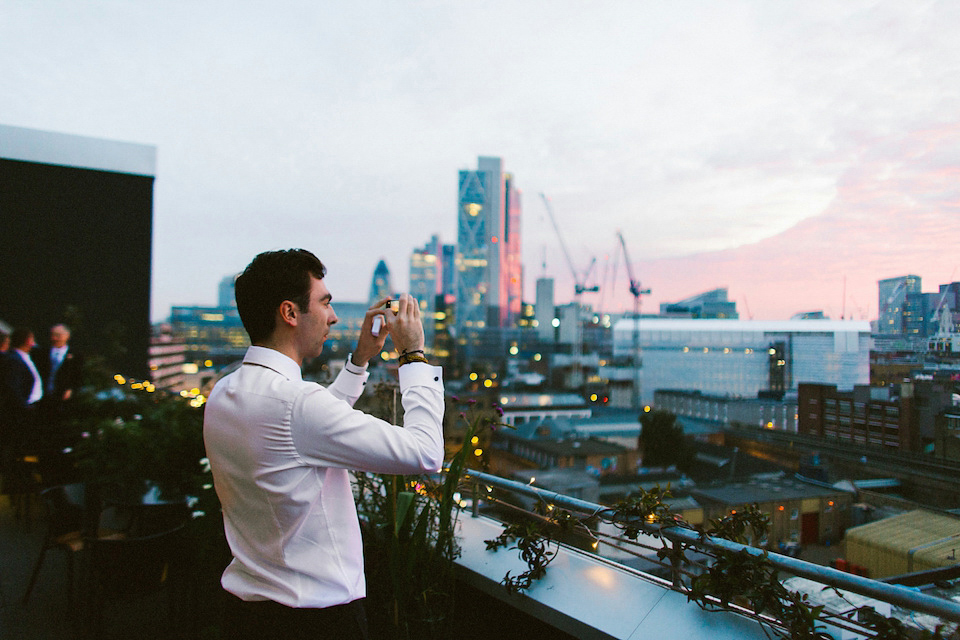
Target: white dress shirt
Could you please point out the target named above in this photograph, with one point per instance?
(280, 447)
(36, 391)
(57, 355)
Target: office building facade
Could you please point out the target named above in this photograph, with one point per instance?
(898, 305)
(489, 282)
(741, 358)
(426, 284)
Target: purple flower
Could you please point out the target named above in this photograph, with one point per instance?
(455, 398)
(499, 411)
(472, 401)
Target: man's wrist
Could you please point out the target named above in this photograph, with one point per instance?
(412, 356)
(352, 362)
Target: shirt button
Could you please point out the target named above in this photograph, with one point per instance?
(436, 379)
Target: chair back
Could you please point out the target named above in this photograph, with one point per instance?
(65, 506)
(135, 565)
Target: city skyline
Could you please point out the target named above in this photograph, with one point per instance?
(795, 153)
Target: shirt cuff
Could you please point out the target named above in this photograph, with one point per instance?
(354, 369)
(421, 374)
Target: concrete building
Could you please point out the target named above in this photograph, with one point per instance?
(741, 358)
(546, 310)
(210, 333)
(167, 358)
(723, 411)
(903, 417)
(799, 512)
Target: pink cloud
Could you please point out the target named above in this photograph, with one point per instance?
(896, 211)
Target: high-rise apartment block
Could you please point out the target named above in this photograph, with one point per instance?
(489, 283)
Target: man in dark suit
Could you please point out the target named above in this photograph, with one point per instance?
(22, 390)
(61, 369)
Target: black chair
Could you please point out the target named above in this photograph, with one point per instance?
(122, 571)
(69, 520)
(144, 514)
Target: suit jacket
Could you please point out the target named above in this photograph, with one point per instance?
(17, 381)
(68, 376)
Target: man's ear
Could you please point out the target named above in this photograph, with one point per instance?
(288, 312)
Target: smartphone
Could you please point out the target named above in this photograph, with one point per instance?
(393, 305)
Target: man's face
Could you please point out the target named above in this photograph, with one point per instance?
(29, 344)
(315, 321)
(59, 336)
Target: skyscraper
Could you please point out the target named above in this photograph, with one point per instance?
(489, 284)
(546, 309)
(426, 283)
(380, 286)
(226, 296)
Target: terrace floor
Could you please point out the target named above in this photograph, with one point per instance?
(46, 615)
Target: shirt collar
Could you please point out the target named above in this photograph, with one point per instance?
(273, 359)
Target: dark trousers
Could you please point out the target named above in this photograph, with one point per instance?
(266, 620)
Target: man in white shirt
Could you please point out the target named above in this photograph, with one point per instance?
(280, 449)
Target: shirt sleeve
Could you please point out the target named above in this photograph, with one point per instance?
(350, 382)
(328, 431)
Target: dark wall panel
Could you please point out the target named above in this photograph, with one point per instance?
(77, 248)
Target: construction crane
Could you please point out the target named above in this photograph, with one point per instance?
(636, 291)
(579, 288)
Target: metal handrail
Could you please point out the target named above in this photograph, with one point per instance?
(893, 594)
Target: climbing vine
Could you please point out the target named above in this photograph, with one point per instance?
(741, 578)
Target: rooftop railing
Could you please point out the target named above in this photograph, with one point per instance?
(681, 568)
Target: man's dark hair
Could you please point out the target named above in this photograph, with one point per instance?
(271, 278)
(19, 337)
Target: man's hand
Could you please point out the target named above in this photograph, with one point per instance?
(405, 326)
(369, 345)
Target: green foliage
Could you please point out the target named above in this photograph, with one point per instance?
(662, 441)
(642, 507)
(410, 529)
(745, 526)
(536, 549)
(129, 439)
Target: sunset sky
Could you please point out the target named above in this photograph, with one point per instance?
(793, 152)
